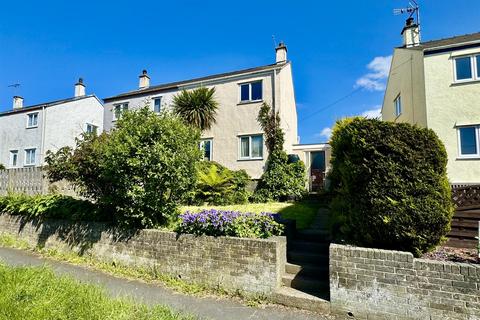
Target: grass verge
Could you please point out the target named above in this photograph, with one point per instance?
(32, 293)
(152, 275)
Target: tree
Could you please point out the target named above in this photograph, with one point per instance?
(141, 171)
(281, 179)
(197, 107)
(390, 184)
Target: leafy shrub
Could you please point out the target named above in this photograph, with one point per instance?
(390, 184)
(218, 185)
(140, 171)
(50, 206)
(281, 179)
(229, 223)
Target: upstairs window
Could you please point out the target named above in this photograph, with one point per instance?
(118, 110)
(30, 157)
(90, 128)
(206, 146)
(32, 120)
(251, 147)
(13, 158)
(252, 91)
(398, 105)
(157, 104)
(468, 142)
(467, 68)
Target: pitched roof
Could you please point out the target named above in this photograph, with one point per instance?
(473, 38)
(47, 104)
(175, 85)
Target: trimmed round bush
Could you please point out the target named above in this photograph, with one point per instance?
(390, 184)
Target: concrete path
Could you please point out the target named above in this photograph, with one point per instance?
(151, 294)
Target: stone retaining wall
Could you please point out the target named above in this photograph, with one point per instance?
(250, 265)
(382, 284)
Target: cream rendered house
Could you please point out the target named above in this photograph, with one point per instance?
(436, 84)
(236, 139)
(27, 132)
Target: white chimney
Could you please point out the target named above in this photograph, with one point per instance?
(144, 81)
(281, 53)
(17, 102)
(411, 34)
(79, 88)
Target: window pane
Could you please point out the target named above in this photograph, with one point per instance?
(468, 141)
(257, 146)
(125, 107)
(478, 66)
(244, 147)
(244, 92)
(257, 90)
(157, 105)
(117, 112)
(206, 146)
(464, 68)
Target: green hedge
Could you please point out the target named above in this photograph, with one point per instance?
(390, 183)
(53, 206)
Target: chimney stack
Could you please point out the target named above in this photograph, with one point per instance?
(411, 33)
(281, 53)
(144, 81)
(17, 102)
(79, 88)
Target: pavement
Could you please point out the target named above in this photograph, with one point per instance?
(154, 294)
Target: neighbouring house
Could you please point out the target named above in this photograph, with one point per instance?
(436, 84)
(27, 132)
(236, 139)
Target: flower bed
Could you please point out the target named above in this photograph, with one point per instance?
(229, 223)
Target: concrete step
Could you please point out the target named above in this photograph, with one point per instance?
(308, 270)
(298, 257)
(297, 299)
(305, 284)
(314, 247)
(313, 235)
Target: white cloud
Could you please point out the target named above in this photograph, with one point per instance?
(374, 80)
(325, 133)
(374, 113)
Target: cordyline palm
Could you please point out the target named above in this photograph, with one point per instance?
(196, 107)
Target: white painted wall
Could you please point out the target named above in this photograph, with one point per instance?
(58, 126)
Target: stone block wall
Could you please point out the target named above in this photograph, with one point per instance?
(250, 265)
(382, 284)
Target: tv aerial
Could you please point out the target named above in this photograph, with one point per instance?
(413, 10)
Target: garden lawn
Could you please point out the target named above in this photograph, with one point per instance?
(37, 294)
(303, 212)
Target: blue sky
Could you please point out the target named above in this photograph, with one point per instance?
(335, 46)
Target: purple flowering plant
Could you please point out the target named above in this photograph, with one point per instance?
(229, 223)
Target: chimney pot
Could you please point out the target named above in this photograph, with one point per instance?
(281, 53)
(144, 80)
(17, 102)
(79, 88)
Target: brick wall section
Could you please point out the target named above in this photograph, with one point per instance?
(250, 265)
(382, 284)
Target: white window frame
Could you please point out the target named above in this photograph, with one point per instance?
(31, 114)
(249, 136)
(249, 83)
(95, 128)
(475, 69)
(122, 106)
(10, 161)
(153, 103)
(202, 143)
(477, 136)
(398, 111)
(27, 164)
